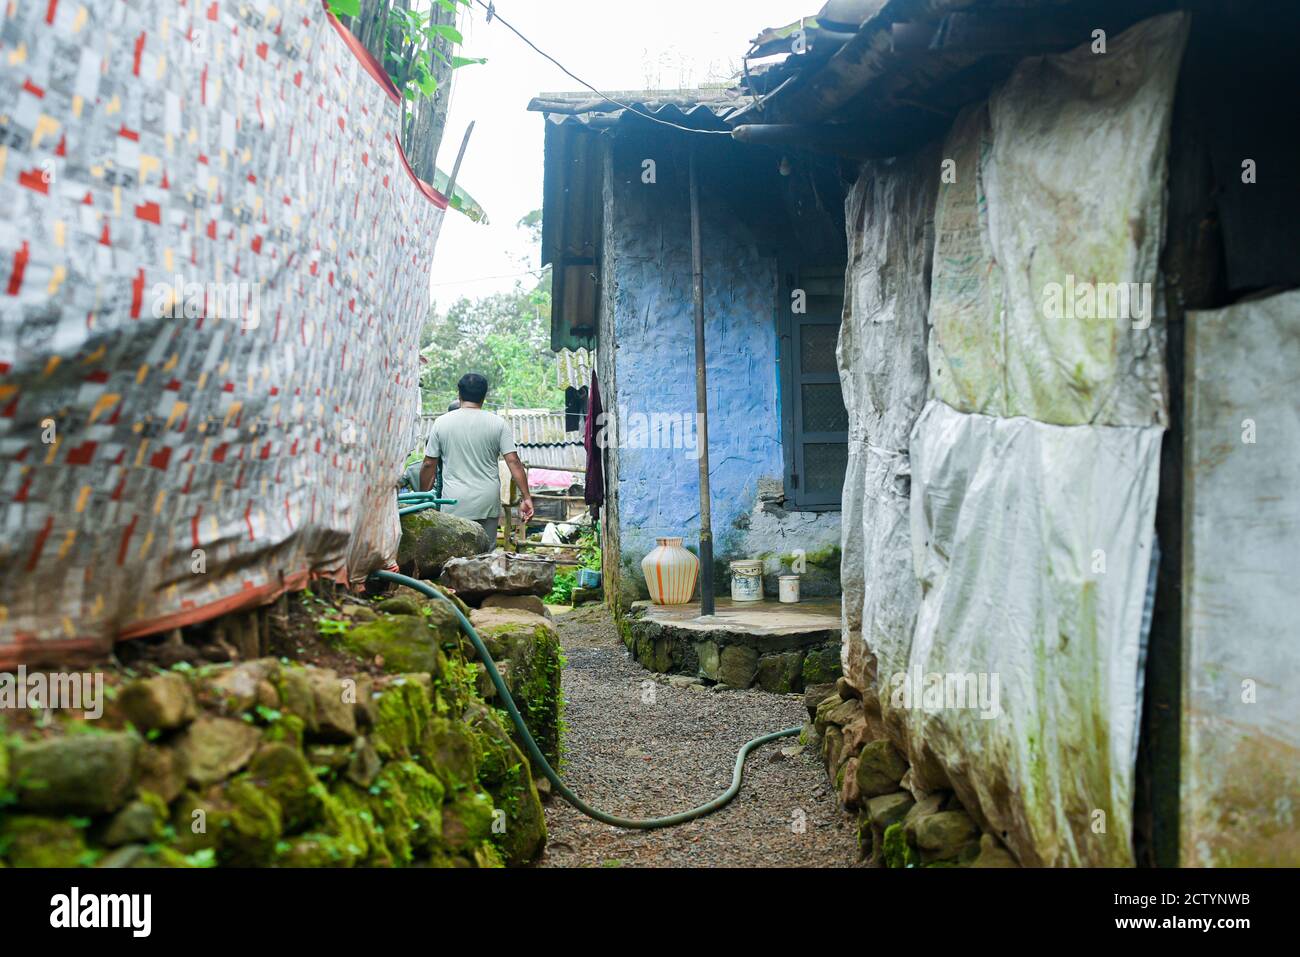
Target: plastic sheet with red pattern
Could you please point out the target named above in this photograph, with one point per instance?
(214, 266)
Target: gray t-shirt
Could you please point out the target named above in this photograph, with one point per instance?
(469, 442)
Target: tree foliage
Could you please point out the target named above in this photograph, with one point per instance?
(505, 337)
(415, 40)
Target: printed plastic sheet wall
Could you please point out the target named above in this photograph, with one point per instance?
(213, 269)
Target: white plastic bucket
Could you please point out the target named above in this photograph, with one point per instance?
(788, 586)
(747, 580)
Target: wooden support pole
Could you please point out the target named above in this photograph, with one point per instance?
(701, 399)
(507, 518)
(455, 170)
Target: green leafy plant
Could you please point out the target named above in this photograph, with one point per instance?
(562, 590)
(204, 858)
(331, 626)
(589, 551)
(413, 40)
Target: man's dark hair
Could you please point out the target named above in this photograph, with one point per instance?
(472, 388)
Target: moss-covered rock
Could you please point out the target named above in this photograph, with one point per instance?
(652, 652)
(399, 605)
(336, 718)
(215, 748)
(780, 673)
(821, 665)
(737, 666)
(897, 851)
(880, 768)
(251, 827)
(161, 770)
(536, 663)
(297, 697)
(316, 851)
(406, 801)
(427, 604)
(237, 819)
(531, 645)
(948, 835)
(163, 702)
(406, 643)
(403, 717)
(282, 771)
(887, 809)
(239, 687)
(508, 777)
(329, 758)
(431, 538)
(140, 822)
(450, 752)
(349, 818)
(287, 729)
(467, 820)
(821, 717)
(151, 855)
(27, 840)
(90, 773)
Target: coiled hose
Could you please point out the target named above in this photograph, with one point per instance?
(539, 759)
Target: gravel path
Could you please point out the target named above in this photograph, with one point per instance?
(640, 748)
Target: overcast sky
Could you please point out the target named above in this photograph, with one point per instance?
(612, 44)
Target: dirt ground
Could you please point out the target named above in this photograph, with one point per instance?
(638, 747)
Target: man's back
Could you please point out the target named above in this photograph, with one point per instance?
(469, 442)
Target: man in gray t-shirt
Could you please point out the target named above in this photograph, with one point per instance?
(468, 443)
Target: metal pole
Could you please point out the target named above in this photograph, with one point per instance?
(701, 400)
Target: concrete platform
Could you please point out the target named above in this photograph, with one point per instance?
(767, 617)
(776, 647)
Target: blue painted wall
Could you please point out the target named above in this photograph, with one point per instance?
(648, 257)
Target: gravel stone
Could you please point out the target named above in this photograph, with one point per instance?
(639, 749)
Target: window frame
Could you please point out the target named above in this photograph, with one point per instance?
(793, 436)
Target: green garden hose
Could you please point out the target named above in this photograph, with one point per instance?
(539, 759)
(419, 505)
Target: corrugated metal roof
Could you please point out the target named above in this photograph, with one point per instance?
(530, 426)
(538, 427)
(705, 108)
(540, 436)
(884, 65)
(566, 457)
(573, 367)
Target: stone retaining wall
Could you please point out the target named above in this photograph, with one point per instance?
(776, 663)
(898, 826)
(270, 763)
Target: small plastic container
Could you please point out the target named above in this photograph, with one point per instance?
(747, 580)
(788, 589)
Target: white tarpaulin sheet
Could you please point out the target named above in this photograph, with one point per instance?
(1048, 240)
(882, 375)
(1033, 483)
(1033, 547)
(1241, 711)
